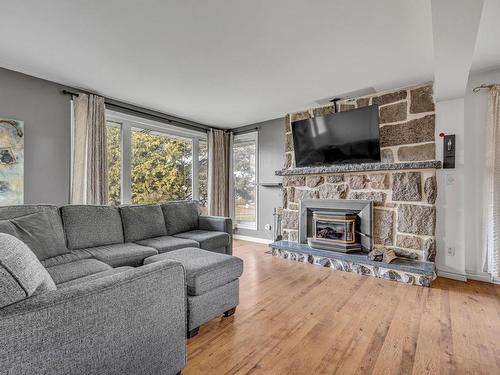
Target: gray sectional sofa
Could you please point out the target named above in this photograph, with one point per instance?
(130, 283)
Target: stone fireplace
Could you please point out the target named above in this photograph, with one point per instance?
(401, 189)
(336, 225)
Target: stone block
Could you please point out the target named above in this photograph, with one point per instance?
(386, 156)
(336, 178)
(379, 181)
(332, 191)
(290, 219)
(356, 181)
(404, 253)
(346, 107)
(293, 235)
(389, 97)
(383, 227)
(393, 113)
(430, 250)
(421, 100)
(290, 193)
(416, 219)
(294, 180)
(322, 111)
(301, 194)
(377, 197)
(300, 116)
(313, 181)
(426, 151)
(407, 186)
(293, 206)
(430, 189)
(288, 142)
(284, 197)
(363, 102)
(414, 131)
(288, 160)
(409, 242)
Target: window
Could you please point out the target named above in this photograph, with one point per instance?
(203, 176)
(113, 136)
(152, 162)
(245, 180)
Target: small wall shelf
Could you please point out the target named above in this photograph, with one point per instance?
(271, 184)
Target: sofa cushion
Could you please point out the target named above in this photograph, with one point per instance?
(205, 270)
(91, 226)
(56, 238)
(62, 273)
(168, 243)
(21, 273)
(180, 216)
(122, 254)
(208, 240)
(36, 231)
(141, 222)
(95, 276)
(66, 258)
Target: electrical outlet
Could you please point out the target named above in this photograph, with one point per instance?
(451, 251)
(268, 227)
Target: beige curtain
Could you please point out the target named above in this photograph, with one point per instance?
(220, 146)
(492, 189)
(89, 181)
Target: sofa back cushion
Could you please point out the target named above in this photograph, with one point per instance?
(142, 221)
(38, 226)
(21, 273)
(91, 226)
(180, 216)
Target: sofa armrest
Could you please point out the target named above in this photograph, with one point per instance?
(133, 322)
(220, 224)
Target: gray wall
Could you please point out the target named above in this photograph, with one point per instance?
(271, 150)
(46, 115)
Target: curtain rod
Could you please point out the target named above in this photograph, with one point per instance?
(147, 112)
(483, 86)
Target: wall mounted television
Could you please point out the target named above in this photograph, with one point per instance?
(339, 138)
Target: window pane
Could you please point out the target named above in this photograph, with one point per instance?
(244, 183)
(203, 176)
(113, 135)
(161, 167)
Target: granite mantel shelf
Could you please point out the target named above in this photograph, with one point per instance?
(403, 270)
(361, 167)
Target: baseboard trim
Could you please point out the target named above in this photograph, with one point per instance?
(479, 277)
(452, 275)
(251, 239)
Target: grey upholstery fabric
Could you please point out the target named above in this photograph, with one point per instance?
(66, 258)
(91, 226)
(180, 216)
(95, 276)
(219, 224)
(66, 272)
(35, 230)
(168, 243)
(122, 254)
(141, 222)
(42, 233)
(214, 303)
(21, 273)
(133, 322)
(205, 270)
(207, 239)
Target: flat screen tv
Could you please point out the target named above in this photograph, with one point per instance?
(338, 138)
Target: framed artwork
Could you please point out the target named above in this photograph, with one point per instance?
(11, 162)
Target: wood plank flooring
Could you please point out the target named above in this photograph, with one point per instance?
(297, 318)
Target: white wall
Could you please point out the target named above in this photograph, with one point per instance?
(476, 109)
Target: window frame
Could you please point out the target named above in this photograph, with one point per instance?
(127, 123)
(246, 137)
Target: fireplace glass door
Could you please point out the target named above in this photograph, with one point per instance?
(334, 228)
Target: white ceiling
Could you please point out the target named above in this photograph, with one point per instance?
(224, 63)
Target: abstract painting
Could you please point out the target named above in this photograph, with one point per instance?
(11, 162)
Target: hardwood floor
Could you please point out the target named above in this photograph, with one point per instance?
(296, 318)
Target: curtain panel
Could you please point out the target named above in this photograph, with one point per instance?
(492, 186)
(220, 146)
(89, 180)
